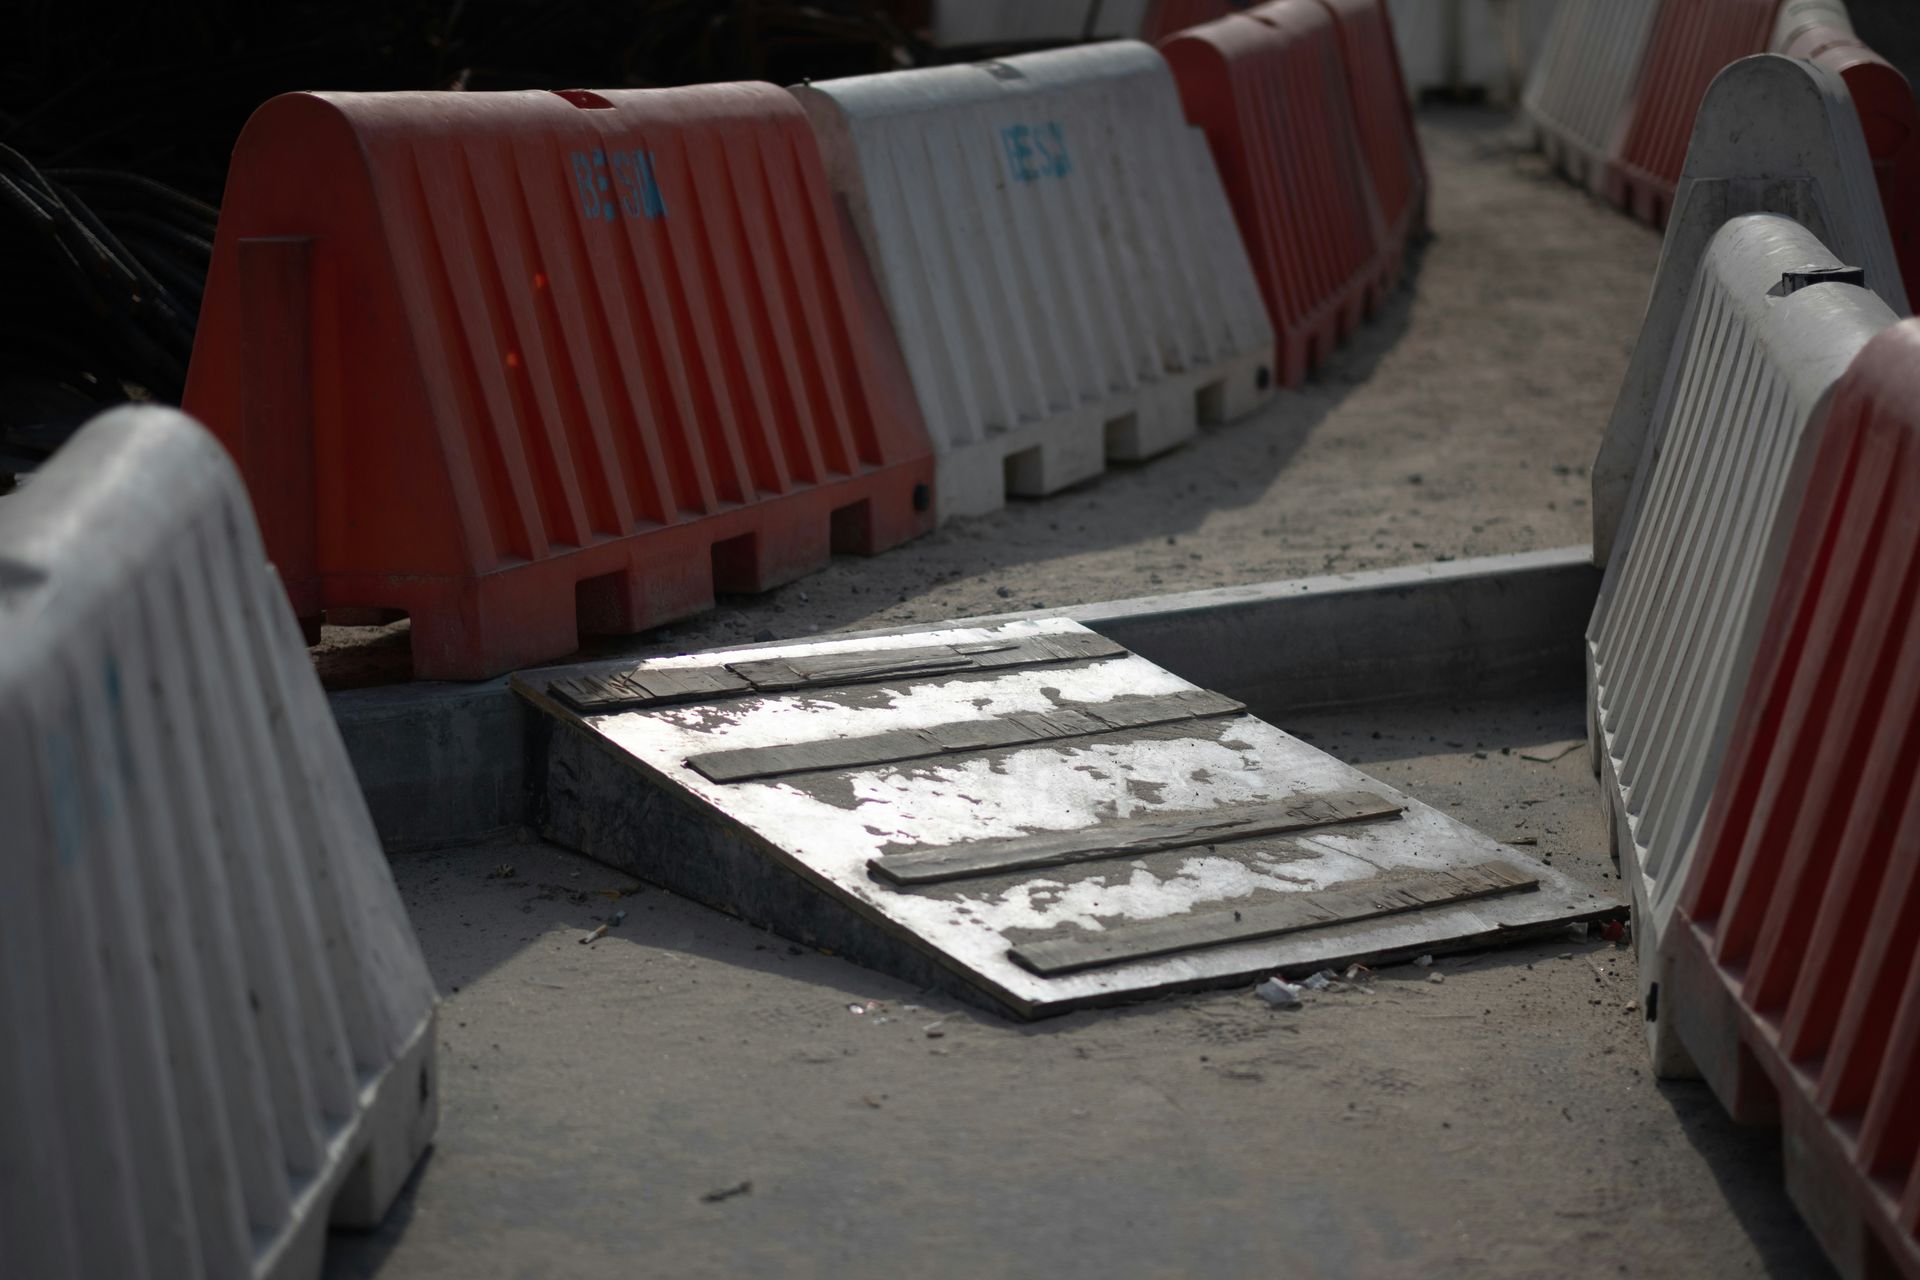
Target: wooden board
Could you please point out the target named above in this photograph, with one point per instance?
(1133, 836)
(1017, 729)
(1338, 905)
(662, 684)
(1080, 844)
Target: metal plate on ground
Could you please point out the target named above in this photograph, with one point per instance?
(1065, 824)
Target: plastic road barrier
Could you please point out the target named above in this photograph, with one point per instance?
(1791, 969)
(1383, 112)
(1690, 43)
(527, 364)
(1058, 256)
(1772, 135)
(1819, 30)
(1581, 88)
(1772, 322)
(219, 1024)
(1270, 89)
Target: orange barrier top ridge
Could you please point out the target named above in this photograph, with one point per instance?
(516, 361)
(1271, 92)
(1798, 950)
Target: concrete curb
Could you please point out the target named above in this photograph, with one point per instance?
(445, 764)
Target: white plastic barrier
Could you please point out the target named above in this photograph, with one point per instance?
(954, 23)
(1458, 45)
(1685, 597)
(1582, 85)
(1772, 136)
(218, 1024)
(1059, 259)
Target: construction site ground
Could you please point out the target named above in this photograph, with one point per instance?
(691, 1096)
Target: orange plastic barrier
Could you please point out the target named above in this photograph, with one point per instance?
(1793, 963)
(1383, 110)
(1890, 119)
(530, 364)
(1691, 41)
(1270, 90)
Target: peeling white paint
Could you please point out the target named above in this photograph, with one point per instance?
(829, 825)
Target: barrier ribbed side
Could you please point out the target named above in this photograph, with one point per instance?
(1058, 256)
(1581, 88)
(220, 1024)
(1680, 607)
(1792, 971)
(527, 364)
(1773, 135)
(1270, 90)
(1692, 41)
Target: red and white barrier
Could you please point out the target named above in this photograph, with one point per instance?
(1271, 90)
(1791, 969)
(527, 365)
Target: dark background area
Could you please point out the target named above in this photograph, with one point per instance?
(116, 125)
(164, 92)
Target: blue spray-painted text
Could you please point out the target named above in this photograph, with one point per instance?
(595, 172)
(1036, 151)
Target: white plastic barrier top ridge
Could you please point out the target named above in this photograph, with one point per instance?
(1583, 82)
(1059, 258)
(1685, 596)
(219, 1026)
(1773, 135)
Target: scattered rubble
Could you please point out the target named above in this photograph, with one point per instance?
(1279, 993)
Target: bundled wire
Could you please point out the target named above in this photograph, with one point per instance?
(104, 273)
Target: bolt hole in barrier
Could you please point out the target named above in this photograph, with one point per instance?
(1304, 108)
(219, 1026)
(1792, 964)
(472, 351)
(1057, 255)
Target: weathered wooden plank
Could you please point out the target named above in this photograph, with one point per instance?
(1018, 729)
(647, 686)
(652, 686)
(1287, 913)
(1129, 837)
